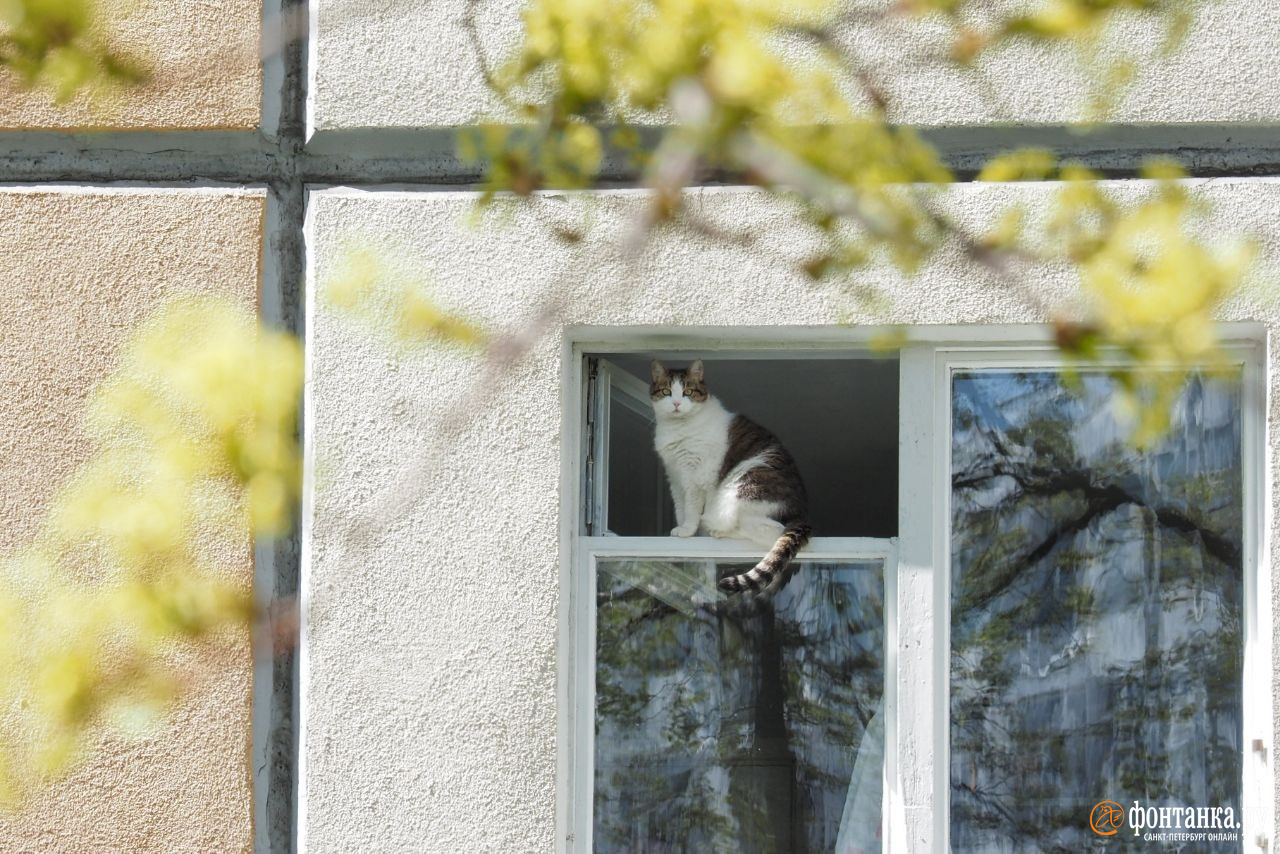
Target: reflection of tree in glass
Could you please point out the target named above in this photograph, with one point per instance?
(729, 727)
(1096, 609)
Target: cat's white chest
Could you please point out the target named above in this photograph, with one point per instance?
(694, 448)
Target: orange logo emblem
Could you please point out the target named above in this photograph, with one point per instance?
(1107, 818)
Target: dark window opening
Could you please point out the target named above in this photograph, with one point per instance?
(838, 417)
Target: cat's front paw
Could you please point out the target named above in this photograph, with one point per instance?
(684, 531)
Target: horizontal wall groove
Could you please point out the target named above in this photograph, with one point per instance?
(427, 156)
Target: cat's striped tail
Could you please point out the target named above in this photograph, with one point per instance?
(770, 568)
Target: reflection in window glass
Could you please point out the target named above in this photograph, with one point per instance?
(727, 726)
(1096, 638)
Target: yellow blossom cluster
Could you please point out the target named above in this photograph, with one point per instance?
(1151, 284)
(762, 90)
(725, 70)
(756, 88)
(142, 551)
(768, 93)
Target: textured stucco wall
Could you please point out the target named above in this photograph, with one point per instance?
(204, 65)
(429, 680)
(412, 65)
(80, 269)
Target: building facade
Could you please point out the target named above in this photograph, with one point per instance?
(501, 647)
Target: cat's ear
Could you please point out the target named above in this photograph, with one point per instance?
(695, 371)
(656, 372)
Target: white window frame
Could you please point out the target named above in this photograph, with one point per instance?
(917, 569)
(1257, 803)
(634, 395)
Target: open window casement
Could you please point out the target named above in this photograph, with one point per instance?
(620, 421)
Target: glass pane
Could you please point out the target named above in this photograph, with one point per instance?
(639, 501)
(723, 725)
(1096, 593)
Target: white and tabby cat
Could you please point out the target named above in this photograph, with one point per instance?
(729, 476)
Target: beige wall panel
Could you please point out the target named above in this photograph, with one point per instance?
(79, 270)
(204, 64)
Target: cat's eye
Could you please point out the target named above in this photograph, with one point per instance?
(666, 392)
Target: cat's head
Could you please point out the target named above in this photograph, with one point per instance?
(677, 393)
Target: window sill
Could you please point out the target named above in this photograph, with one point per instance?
(684, 547)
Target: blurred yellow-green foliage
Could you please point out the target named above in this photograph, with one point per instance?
(143, 552)
(978, 26)
(393, 299)
(55, 45)
(1150, 282)
(722, 87)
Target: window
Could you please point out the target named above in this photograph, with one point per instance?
(1096, 606)
(1008, 614)
(726, 726)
